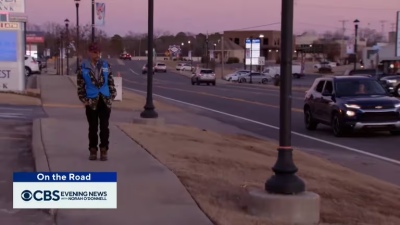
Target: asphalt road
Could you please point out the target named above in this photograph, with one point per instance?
(256, 109)
(16, 156)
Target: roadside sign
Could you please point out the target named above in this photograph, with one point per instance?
(21, 19)
(261, 60)
(9, 26)
(12, 6)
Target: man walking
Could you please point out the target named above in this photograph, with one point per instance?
(96, 90)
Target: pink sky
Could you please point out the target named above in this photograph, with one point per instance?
(218, 15)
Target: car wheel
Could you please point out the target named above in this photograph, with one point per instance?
(339, 130)
(397, 91)
(28, 71)
(395, 132)
(213, 83)
(242, 80)
(309, 121)
(208, 84)
(264, 81)
(198, 82)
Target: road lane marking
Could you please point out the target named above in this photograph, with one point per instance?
(134, 72)
(277, 128)
(229, 98)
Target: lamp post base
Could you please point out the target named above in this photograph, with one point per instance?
(285, 180)
(149, 113)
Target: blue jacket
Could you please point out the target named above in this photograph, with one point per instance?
(92, 91)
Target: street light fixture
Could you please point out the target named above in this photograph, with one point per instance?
(77, 34)
(285, 180)
(355, 41)
(149, 111)
(66, 21)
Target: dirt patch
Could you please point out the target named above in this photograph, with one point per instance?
(19, 99)
(216, 169)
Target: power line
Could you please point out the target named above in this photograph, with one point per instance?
(346, 7)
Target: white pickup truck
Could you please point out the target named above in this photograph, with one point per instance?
(275, 71)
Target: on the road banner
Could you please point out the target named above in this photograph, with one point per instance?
(65, 190)
(100, 14)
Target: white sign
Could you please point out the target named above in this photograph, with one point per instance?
(14, 18)
(9, 78)
(12, 6)
(252, 51)
(398, 35)
(118, 86)
(261, 61)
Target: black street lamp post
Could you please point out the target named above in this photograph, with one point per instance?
(77, 34)
(355, 42)
(251, 58)
(285, 180)
(62, 53)
(149, 111)
(207, 53)
(67, 44)
(93, 21)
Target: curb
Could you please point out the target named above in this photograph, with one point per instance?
(40, 158)
(28, 92)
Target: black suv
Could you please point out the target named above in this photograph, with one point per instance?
(389, 81)
(350, 103)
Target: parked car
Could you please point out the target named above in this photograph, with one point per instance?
(325, 64)
(31, 66)
(184, 67)
(235, 76)
(275, 71)
(144, 69)
(203, 76)
(255, 78)
(42, 63)
(125, 56)
(160, 67)
(391, 82)
(351, 103)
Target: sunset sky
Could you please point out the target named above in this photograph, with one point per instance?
(218, 15)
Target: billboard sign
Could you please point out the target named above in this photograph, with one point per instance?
(398, 35)
(34, 37)
(12, 6)
(253, 47)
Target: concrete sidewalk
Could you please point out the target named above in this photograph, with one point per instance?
(148, 192)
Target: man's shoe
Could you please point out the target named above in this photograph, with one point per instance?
(93, 154)
(103, 154)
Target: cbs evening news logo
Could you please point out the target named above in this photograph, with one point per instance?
(47, 195)
(65, 190)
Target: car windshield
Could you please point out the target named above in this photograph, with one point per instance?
(206, 71)
(161, 64)
(360, 87)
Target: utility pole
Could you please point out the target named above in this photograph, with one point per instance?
(383, 27)
(343, 36)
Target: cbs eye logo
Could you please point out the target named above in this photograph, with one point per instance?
(26, 195)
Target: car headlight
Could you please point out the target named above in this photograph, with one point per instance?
(352, 106)
(391, 81)
(397, 105)
(350, 113)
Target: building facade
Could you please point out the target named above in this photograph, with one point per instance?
(270, 41)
